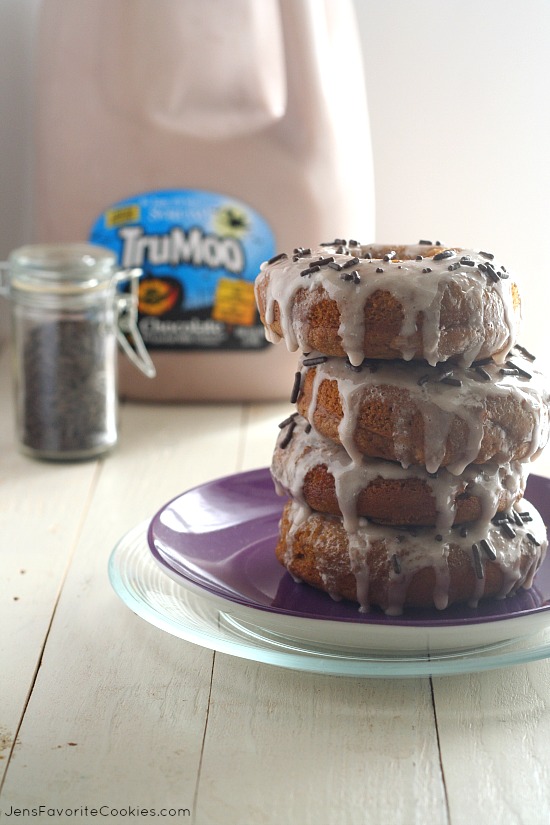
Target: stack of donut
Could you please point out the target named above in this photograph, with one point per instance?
(418, 415)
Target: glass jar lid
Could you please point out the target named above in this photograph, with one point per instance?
(66, 268)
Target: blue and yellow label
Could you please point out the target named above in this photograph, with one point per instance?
(200, 253)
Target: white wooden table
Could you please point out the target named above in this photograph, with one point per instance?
(100, 710)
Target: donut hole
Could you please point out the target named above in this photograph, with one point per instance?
(401, 252)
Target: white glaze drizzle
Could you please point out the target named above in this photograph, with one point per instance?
(417, 284)
(438, 403)
(299, 451)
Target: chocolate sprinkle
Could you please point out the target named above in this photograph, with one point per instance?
(517, 518)
(447, 253)
(310, 270)
(276, 258)
(519, 370)
(488, 549)
(508, 530)
(525, 352)
(425, 243)
(488, 255)
(389, 256)
(335, 266)
(492, 273)
(533, 539)
(463, 531)
(296, 387)
(287, 421)
(288, 435)
(483, 373)
(352, 262)
(478, 566)
(379, 269)
(313, 362)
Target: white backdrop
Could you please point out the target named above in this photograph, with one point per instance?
(459, 99)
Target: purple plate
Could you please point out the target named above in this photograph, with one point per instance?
(220, 538)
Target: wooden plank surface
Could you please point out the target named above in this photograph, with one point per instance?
(42, 507)
(311, 749)
(494, 731)
(118, 709)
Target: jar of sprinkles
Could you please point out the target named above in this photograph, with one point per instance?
(68, 313)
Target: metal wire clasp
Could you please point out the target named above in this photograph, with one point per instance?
(127, 331)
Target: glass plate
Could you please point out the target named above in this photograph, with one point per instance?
(160, 600)
(226, 593)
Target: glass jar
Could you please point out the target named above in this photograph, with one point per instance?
(68, 312)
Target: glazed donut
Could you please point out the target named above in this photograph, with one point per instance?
(319, 474)
(433, 416)
(370, 301)
(395, 569)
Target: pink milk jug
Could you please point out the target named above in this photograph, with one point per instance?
(196, 140)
